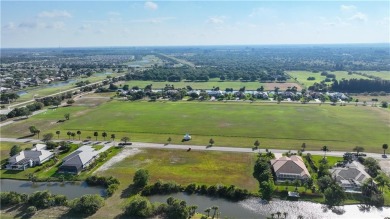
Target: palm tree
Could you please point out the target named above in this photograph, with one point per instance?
(384, 147)
(208, 212)
(296, 184)
(272, 215)
(96, 134)
(358, 149)
(104, 135)
(285, 214)
(125, 139)
(300, 217)
(278, 213)
(89, 138)
(113, 137)
(382, 181)
(325, 149)
(69, 134)
(79, 133)
(169, 140)
(58, 134)
(211, 142)
(303, 146)
(38, 131)
(73, 135)
(215, 208)
(256, 144)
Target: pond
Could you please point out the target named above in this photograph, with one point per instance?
(69, 189)
(255, 208)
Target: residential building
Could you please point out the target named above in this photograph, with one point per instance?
(29, 158)
(290, 168)
(78, 160)
(351, 176)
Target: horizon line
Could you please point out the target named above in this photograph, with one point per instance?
(203, 45)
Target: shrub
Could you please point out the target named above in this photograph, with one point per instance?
(87, 204)
(139, 207)
(30, 211)
(9, 198)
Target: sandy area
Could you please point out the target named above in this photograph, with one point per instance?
(126, 152)
(385, 166)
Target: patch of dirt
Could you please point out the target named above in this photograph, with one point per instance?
(385, 166)
(126, 152)
(282, 86)
(225, 124)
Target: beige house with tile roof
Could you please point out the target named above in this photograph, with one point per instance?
(290, 168)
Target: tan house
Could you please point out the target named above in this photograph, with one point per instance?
(290, 168)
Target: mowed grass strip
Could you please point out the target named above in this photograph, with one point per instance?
(229, 124)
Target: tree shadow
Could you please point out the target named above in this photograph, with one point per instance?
(26, 136)
(209, 146)
(130, 191)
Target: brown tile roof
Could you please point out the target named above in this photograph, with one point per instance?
(293, 164)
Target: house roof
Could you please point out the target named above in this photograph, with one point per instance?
(33, 155)
(80, 157)
(352, 171)
(293, 165)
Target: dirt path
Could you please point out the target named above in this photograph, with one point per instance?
(126, 152)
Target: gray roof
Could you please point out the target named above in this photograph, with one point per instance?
(353, 171)
(80, 157)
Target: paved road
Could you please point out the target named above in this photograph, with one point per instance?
(204, 148)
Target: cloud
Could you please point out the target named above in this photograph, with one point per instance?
(9, 26)
(54, 14)
(153, 20)
(359, 16)
(261, 12)
(55, 25)
(216, 20)
(347, 8)
(151, 6)
(28, 24)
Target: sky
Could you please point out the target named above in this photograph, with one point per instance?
(26, 24)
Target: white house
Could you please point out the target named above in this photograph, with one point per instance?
(29, 158)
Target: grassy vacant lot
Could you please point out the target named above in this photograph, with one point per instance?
(284, 126)
(47, 89)
(236, 85)
(182, 167)
(302, 76)
(382, 74)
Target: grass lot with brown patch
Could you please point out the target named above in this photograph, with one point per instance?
(183, 167)
(235, 124)
(282, 86)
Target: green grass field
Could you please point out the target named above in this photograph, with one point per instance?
(45, 90)
(382, 74)
(284, 126)
(182, 167)
(236, 85)
(302, 76)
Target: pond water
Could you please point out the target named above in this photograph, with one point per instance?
(255, 208)
(69, 189)
(21, 93)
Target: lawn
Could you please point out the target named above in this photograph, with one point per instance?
(382, 74)
(182, 167)
(5, 148)
(236, 85)
(284, 126)
(301, 76)
(45, 90)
